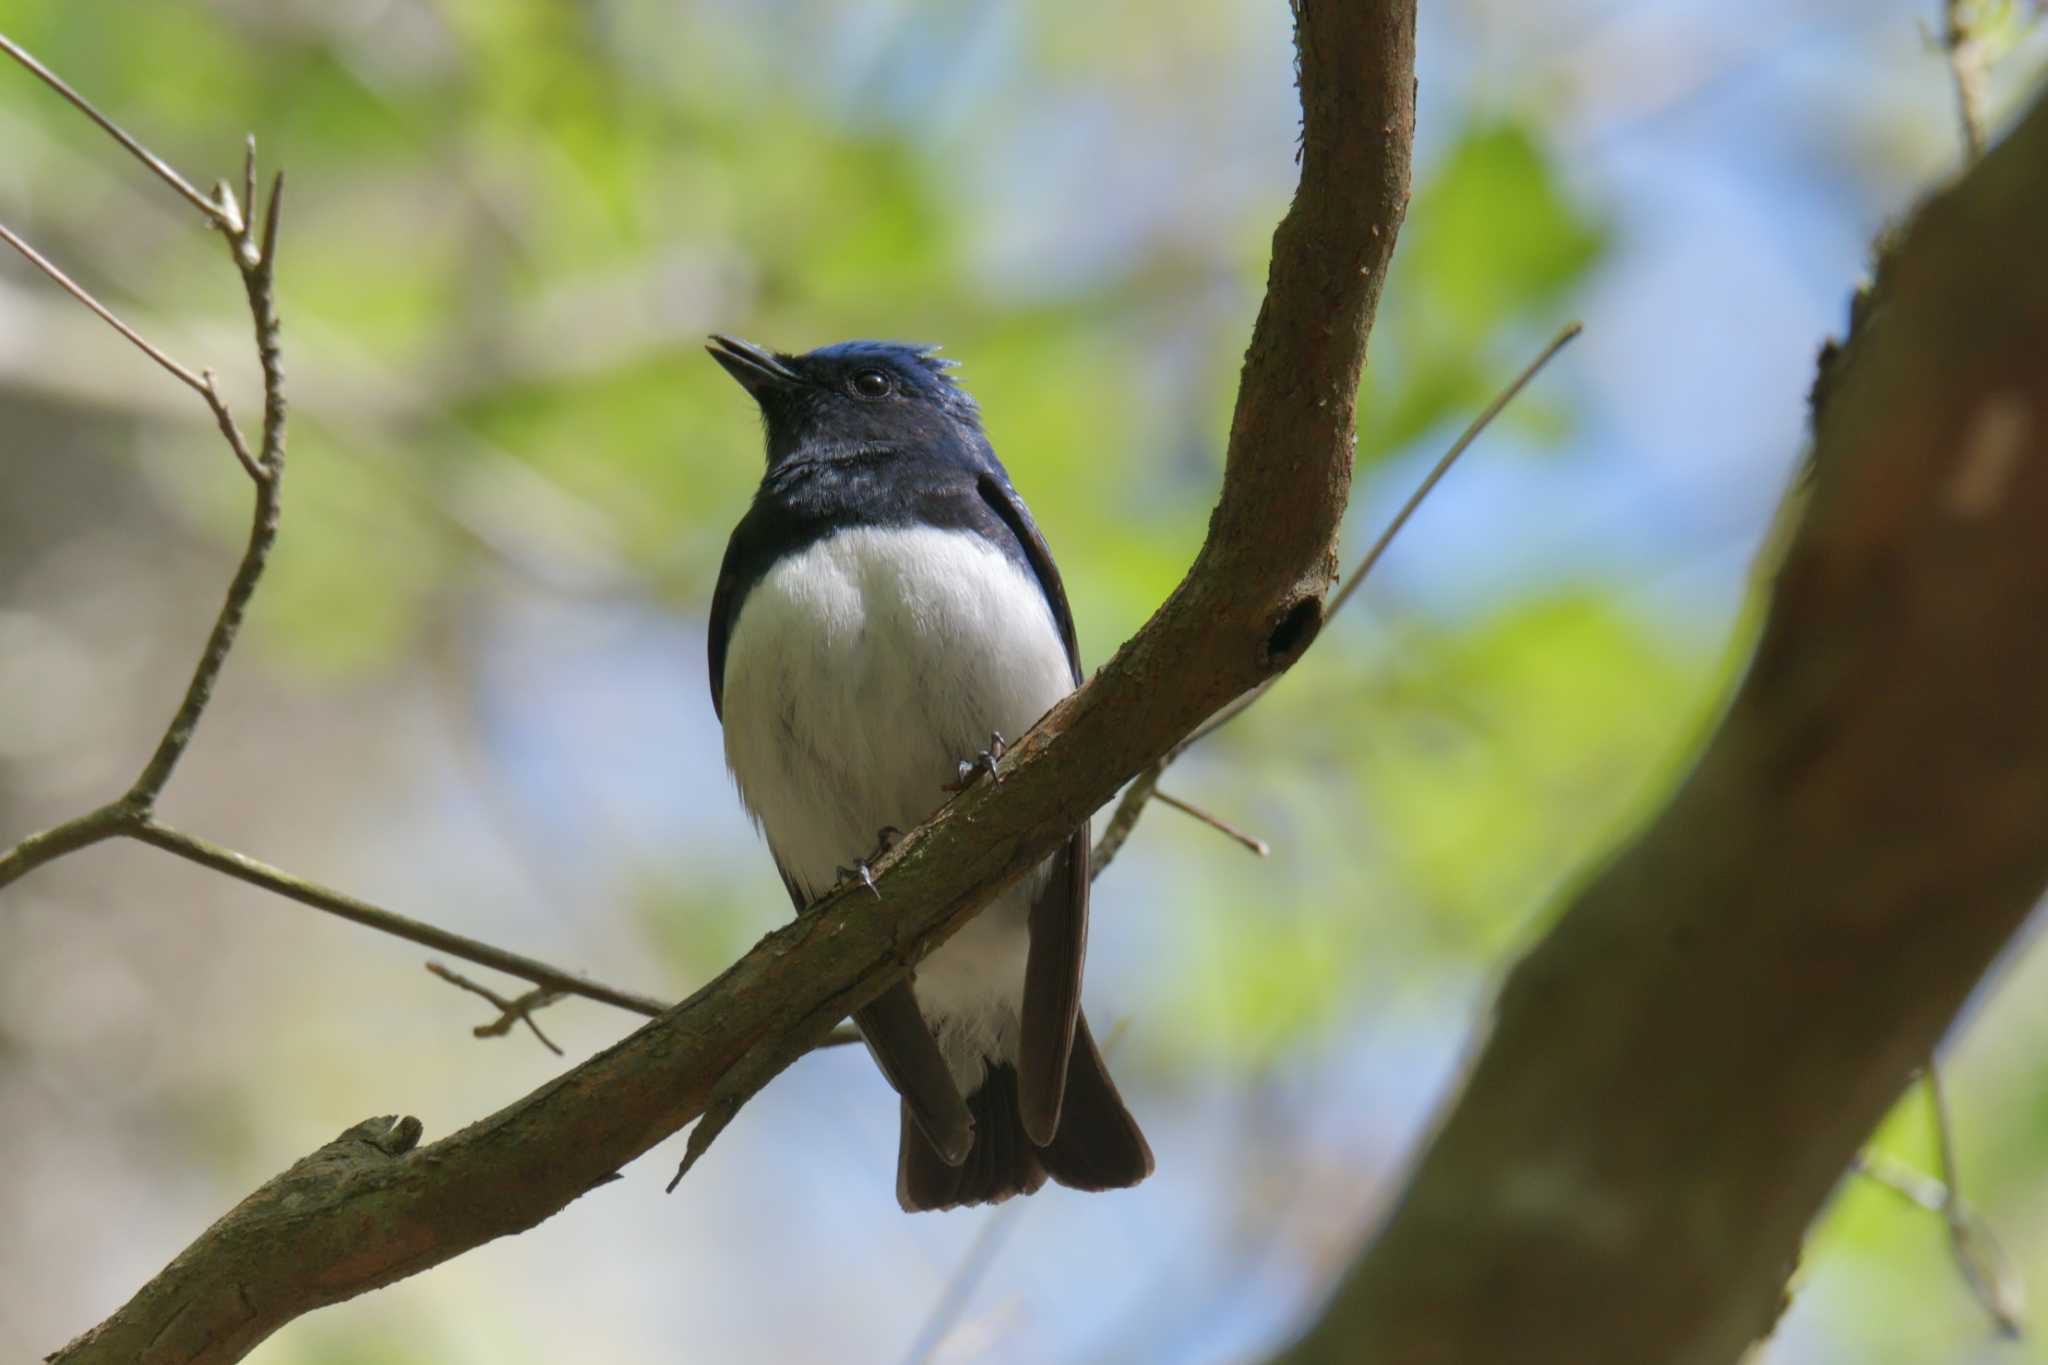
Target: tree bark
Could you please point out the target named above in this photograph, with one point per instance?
(1677, 1076)
(372, 1207)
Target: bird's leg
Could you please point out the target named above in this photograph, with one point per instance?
(885, 839)
(983, 762)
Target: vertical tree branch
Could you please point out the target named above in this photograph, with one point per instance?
(258, 267)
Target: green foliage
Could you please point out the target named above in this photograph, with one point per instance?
(1463, 773)
(1494, 234)
(1524, 744)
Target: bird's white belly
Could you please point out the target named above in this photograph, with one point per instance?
(859, 673)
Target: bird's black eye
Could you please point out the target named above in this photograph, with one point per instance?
(870, 384)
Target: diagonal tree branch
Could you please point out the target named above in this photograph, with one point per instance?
(1675, 1079)
(1249, 607)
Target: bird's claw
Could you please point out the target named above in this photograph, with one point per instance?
(983, 762)
(859, 872)
(886, 838)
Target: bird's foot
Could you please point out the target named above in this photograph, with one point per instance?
(859, 872)
(983, 762)
(863, 872)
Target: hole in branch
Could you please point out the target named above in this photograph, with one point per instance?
(1296, 631)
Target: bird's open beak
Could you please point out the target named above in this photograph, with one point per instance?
(757, 369)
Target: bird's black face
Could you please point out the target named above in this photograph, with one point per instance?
(857, 394)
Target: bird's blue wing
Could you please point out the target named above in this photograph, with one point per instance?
(1059, 915)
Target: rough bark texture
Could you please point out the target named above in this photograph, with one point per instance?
(1677, 1076)
(372, 1208)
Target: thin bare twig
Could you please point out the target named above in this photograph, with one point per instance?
(1565, 336)
(1131, 805)
(1916, 1188)
(248, 204)
(201, 383)
(257, 267)
(1969, 64)
(215, 213)
(1983, 1264)
(244, 868)
(510, 1012)
(70, 286)
(121, 820)
(1985, 1267)
(47, 845)
(1215, 822)
(1124, 818)
(254, 250)
(1366, 565)
(269, 468)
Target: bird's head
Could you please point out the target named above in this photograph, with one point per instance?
(856, 394)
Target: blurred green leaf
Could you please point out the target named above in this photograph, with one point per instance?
(1493, 235)
(1492, 244)
(1533, 738)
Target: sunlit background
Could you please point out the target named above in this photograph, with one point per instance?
(473, 684)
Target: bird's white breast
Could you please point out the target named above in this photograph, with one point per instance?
(859, 673)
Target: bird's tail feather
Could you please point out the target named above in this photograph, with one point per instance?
(1002, 1162)
(1098, 1145)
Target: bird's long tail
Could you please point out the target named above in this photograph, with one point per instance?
(1098, 1145)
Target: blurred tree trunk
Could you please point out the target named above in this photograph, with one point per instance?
(1677, 1076)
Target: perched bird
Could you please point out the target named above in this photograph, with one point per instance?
(886, 610)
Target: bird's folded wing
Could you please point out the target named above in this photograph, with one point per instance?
(1059, 914)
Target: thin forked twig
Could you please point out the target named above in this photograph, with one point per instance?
(1980, 1260)
(130, 814)
(510, 1012)
(1145, 786)
(254, 249)
(257, 267)
(201, 383)
(217, 214)
(1983, 1262)
(244, 868)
